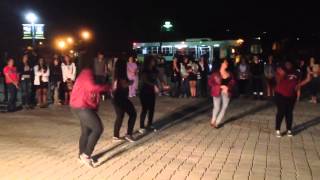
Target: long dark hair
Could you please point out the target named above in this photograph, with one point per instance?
(44, 66)
(120, 70)
(147, 63)
(217, 64)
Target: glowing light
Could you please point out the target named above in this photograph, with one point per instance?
(31, 17)
(61, 44)
(71, 51)
(258, 38)
(233, 51)
(240, 41)
(216, 45)
(181, 46)
(40, 43)
(86, 35)
(70, 40)
(167, 25)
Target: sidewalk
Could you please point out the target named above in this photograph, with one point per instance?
(42, 144)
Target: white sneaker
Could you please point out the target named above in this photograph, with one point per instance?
(289, 133)
(116, 139)
(142, 131)
(278, 134)
(84, 159)
(129, 138)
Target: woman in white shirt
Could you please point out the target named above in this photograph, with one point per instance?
(41, 80)
(69, 76)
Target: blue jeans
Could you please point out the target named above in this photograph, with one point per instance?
(185, 87)
(26, 91)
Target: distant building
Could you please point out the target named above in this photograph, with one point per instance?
(193, 47)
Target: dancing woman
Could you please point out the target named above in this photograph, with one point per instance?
(221, 83)
(285, 96)
(85, 99)
(121, 102)
(148, 92)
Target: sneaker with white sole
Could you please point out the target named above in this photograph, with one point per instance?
(142, 131)
(289, 133)
(86, 160)
(278, 134)
(152, 129)
(129, 138)
(116, 139)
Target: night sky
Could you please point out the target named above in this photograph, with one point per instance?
(116, 24)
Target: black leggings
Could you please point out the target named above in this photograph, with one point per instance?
(243, 86)
(148, 103)
(91, 130)
(285, 106)
(314, 86)
(257, 86)
(121, 107)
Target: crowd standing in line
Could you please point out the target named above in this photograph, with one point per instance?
(56, 82)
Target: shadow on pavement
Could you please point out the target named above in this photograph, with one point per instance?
(304, 126)
(182, 114)
(248, 112)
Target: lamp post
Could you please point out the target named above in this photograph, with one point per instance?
(32, 19)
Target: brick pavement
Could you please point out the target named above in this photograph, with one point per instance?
(42, 144)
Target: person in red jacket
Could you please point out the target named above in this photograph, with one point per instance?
(285, 96)
(221, 82)
(85, 98)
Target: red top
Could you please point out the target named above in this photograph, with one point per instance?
(11, 71)
(286, 83)
(85, 93)
(215, 84)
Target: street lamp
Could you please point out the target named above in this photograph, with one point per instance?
(167, 26)
(70, 40)
(61, 44)
(85, 35)
(31, 17)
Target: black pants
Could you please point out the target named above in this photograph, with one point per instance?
(243, 86)
(285, 106)
(203, 86)
(148, 102)
(26, 91)
(314, 86)
(12, 90)
(121, 107)
(91, 130)
(176, 86)
(257, 86)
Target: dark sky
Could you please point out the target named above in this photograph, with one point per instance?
(117, 24)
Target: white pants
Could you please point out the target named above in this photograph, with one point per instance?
(218, 110)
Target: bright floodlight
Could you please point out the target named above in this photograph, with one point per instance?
(85, 35)
(31, 18)
(61, 44)
(70, 40)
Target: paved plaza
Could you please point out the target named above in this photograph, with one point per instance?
(42, 144)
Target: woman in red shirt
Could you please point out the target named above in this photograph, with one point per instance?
(12, 82)
(285, 96)
(221, 82)
(85, 99)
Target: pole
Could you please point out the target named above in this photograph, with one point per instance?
(33, 35)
